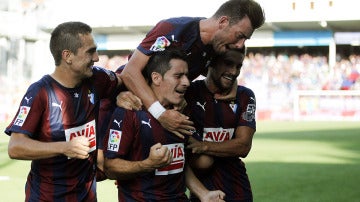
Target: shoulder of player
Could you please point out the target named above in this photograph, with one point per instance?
(245, 90)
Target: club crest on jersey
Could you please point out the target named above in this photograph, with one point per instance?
(21, 117)
(233, 106)
(88, 130)
(160, 44)
(114, 140)
(218, 134)
(178, 160)
(91, 97)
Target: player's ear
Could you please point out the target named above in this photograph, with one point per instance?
(223, 21)
(156, 78)
(66, 56)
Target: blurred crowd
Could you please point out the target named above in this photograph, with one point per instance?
(286, 73)
(301, 72)
(275, 79)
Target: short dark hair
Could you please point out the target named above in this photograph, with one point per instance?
(160, 61)
(238, 9)
(231, 56)
(66, 37)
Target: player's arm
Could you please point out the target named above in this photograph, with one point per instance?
(132, 77)
(23, 147)
(239, 146)
(100, 174)
(135, 81)
(118, 168)
(199, 190)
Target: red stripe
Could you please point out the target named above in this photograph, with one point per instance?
(173, 166)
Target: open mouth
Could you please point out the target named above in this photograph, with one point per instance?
(181, 92)
(230, 78)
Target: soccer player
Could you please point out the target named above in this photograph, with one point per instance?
(224, 129)
(201, 38)
(148, 161)
(55, 126)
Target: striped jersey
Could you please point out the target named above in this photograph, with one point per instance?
(49, 112)
(180, 32)
(130, 136)
(216, 121)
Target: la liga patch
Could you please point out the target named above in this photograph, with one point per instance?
(114, 140)
(23, 112)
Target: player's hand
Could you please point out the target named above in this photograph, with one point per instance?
(128, 100)
(197, 147)
(213, 196)
(159, 156)
(78, 147)
(230, 96)
(176, 123)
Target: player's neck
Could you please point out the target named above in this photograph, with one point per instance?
(65, 79)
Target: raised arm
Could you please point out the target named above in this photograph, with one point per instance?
(132, 77)
(23, 147)
(134, 80)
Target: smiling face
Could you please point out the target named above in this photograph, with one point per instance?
(224, 72)
(170, 88)
(231, 36)
(83, 60)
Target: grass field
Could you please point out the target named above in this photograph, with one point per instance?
(289, 162)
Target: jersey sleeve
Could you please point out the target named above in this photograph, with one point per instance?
(120, 134)
(158, 37)
(247, 107)
(30, 112)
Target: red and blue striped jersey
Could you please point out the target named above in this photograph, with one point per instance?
(217, 120)
(180, 32)
(130, 136)
(49, 112)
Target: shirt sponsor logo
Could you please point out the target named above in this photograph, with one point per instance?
(218, 134)
(160, 44)
(21, 117)
(177, 164)
(114, 140)
(88, 130)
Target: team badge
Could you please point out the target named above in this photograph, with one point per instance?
(233, 106)
(91, 97)
(160, 44)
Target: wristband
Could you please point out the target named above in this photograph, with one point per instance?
(156, 109)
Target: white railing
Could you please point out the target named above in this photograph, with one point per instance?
(327, 105)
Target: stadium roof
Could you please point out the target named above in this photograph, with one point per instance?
(117, 17)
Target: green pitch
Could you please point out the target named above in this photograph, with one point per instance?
(289, 161)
